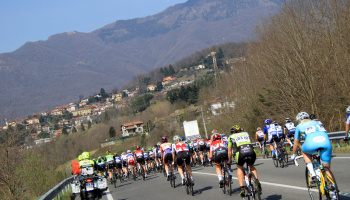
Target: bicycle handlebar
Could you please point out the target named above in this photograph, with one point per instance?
(296, 158)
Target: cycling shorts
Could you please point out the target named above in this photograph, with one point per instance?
(131, 162)
(111, 164)
(101, 167)
(168, 157)
(290, 134)
(201, 148)
(219, 155)
(245, 154)
(318, 140)
(118, 165)
(151, 158)
(141, 161)
(260, 139)
(191, 150)
(273, 138)
(183, 155)
(124, 163)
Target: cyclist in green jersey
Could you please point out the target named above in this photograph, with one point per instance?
(245, 153)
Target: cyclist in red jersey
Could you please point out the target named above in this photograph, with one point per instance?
(219, 152)
(182, 151)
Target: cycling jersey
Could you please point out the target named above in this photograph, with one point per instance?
(315, 138)
(179, 147)
(130, 159)
(260, 135)
(117, 159)
(166, 148)
(109, 158)
(266, 128)
(219, 151)
(272, 134)
(280, 132)
(290, 127)
(347, 119)
(245, 151)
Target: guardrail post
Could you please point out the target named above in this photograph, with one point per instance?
(338, 143)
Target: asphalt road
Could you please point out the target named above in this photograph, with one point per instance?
(277, 183)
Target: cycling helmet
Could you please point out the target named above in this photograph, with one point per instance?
(142, 149)
(275, 123)
(115, 154)
(214, 131)
(223, 135)
(80, 157)
(267, 121)
(235, 128)
(199, 137)
(149, 149)
(312, 116)
(137, 147)
(348, 110)
(85, 155)
(288, 120)
(108, 152)
(216, 137)
(164, 139)
(158, 144)
(208, 138)
(258, 129)
(302, 115)
(182, 138)
(175, 138)
(128, 151)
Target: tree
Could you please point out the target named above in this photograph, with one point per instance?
(112, 132)
(74, 130)
(124, 94)
(171, 70)
(41, 119)
(159, 86)
(115, 90)
(82, 128)
(103, 93)
(64, 131)
(44, 135)
(166, 71)
(89, 124)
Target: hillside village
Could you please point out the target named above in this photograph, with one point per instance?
(46, 126)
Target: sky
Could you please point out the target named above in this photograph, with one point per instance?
(22, 21)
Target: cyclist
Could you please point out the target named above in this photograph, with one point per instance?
(280, 132)
(260, 136)
(218, 152)
(201, 147)
(313, 117)
(347, 124)
(166, 152)
(124, 162)
(118, 163)
(140, 159)
(289, 129)
(224, 138)
(110, 163)
(158, 155)
(245, 154)
(190, 148)
(273, 136)
(101, 166)
(180, 148)
(145, 155)
(195, 150)
(151, 158)
(316, 137)
(131, 161)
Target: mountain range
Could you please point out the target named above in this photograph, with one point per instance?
(44, 74)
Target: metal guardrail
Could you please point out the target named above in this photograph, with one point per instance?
(61, 188)
(332, 136)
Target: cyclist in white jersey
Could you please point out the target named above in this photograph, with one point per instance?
(260, 136)
(289, 130)
(347, 124)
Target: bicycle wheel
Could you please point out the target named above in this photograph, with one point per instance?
(114, 179)
(275, 161)
(285, 155)
(254, 186)
(189, 182)
(263, 153)
(225, 180)
(314, 190)
(228, 183)
(281, 159)
(331, 186)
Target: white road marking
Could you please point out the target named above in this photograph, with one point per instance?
(109, 196)
(273, 184)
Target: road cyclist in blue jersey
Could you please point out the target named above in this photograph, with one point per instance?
(316, 138)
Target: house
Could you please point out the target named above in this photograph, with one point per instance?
(137, 88)
(132, 128)
(77, 121)
(37, 127)
(82, 112)
(46, 128)
(33, 121)
(41, 141)
(151, 87)
(82, 103)
(131, 94)
(168, 79)
(219, 104)
(63, 122)
(57, 132)
(117, 97)
(120, 104)
(33, 135)
(21, 121)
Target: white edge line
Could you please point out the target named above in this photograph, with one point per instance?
(109, 196)
(274, 184)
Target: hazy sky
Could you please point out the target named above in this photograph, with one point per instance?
(23, 20)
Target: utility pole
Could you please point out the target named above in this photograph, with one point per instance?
(205, 128)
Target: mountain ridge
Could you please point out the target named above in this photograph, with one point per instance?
(44, 74)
